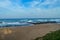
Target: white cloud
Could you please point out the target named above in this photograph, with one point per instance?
(5, 3)
(46, 3)
(32, 11)
(9, 5)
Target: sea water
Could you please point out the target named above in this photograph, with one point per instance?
(24, 21)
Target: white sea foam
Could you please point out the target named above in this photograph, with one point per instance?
(29, 21)
(13, 23)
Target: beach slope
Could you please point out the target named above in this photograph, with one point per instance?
(27, 33)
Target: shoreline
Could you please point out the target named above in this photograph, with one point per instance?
(28, 32)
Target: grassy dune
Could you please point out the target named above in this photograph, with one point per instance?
(27, 33)
(55, 35)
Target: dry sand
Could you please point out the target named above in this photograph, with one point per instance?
(27, 33)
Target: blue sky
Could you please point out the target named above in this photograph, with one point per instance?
(29, 8)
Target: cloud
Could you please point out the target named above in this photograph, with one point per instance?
(24, 4)
(4, 3)
(44, 3)
(51, 4)
(32, 8)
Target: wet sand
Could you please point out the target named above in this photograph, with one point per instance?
(27, 33)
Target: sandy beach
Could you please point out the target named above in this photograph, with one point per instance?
(27, 33)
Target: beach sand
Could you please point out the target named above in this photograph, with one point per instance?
(28, 32)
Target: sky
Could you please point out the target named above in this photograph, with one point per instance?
(29, 8)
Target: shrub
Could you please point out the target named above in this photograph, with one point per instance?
(51, 36)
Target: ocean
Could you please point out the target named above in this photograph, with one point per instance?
(24, 21)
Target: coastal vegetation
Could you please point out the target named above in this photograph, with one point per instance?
(50, 36)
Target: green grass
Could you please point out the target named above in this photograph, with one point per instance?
(51, 36)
